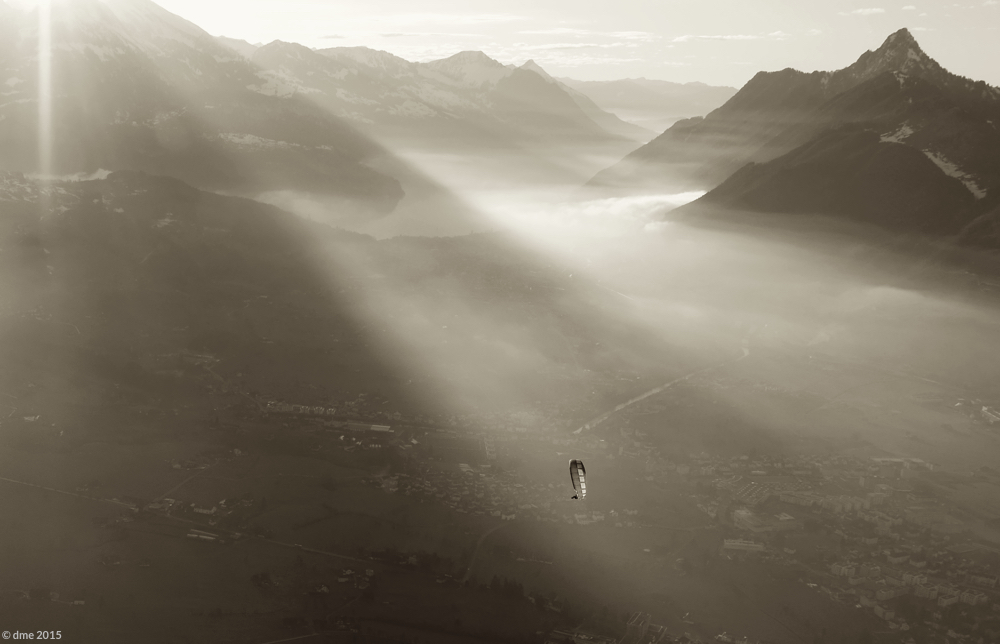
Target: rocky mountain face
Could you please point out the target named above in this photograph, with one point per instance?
(136, 87)
(898, 93)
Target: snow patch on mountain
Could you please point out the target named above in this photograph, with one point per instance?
(15, 187)
(348, 97)
(899, 135)
(100, 174)
(256, 142)
(166, 221)
(952, 170)
(162, 117)
(19, 101)
(412, 109)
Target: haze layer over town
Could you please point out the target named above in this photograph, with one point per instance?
(305, 312)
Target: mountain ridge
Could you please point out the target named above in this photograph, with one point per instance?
(943, 115)
(466, 96)
(160, 94)
(849, 172)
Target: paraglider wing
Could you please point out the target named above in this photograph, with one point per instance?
(578, 476)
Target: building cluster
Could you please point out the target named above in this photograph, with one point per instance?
(356, 578)
(483, 491)
(276, 407)
(544, 418)
(979, 411)
(208, 512)
(758, 523)
(639, 629)
(361, 407)
(879, 577)
(893, 543)
(761, 476)
(742, 545)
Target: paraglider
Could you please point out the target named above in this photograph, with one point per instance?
(578, 476)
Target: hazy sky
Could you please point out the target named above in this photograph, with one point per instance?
(714, 41)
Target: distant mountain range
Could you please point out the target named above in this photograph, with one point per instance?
(652, 104)
(893, 139)
(136, 87)
(468, 97)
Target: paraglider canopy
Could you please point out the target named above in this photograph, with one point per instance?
(578, 476)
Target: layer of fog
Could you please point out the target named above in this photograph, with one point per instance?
(620, 277)
(451, 193)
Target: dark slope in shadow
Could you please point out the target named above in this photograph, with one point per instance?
(139, 292)
(848, 172)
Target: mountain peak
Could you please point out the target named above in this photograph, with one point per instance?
(470, 68)
(903, 46)
(899, 53)
(470, 58)
(532, 66)
(903, 37)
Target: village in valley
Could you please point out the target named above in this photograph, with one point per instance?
(347, 499)
(875, 535)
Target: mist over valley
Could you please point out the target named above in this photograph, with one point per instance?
(296, 342)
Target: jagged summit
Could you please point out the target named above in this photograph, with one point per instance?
(899, 53)
(900, 37)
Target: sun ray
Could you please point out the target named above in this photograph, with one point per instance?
(45, 88)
